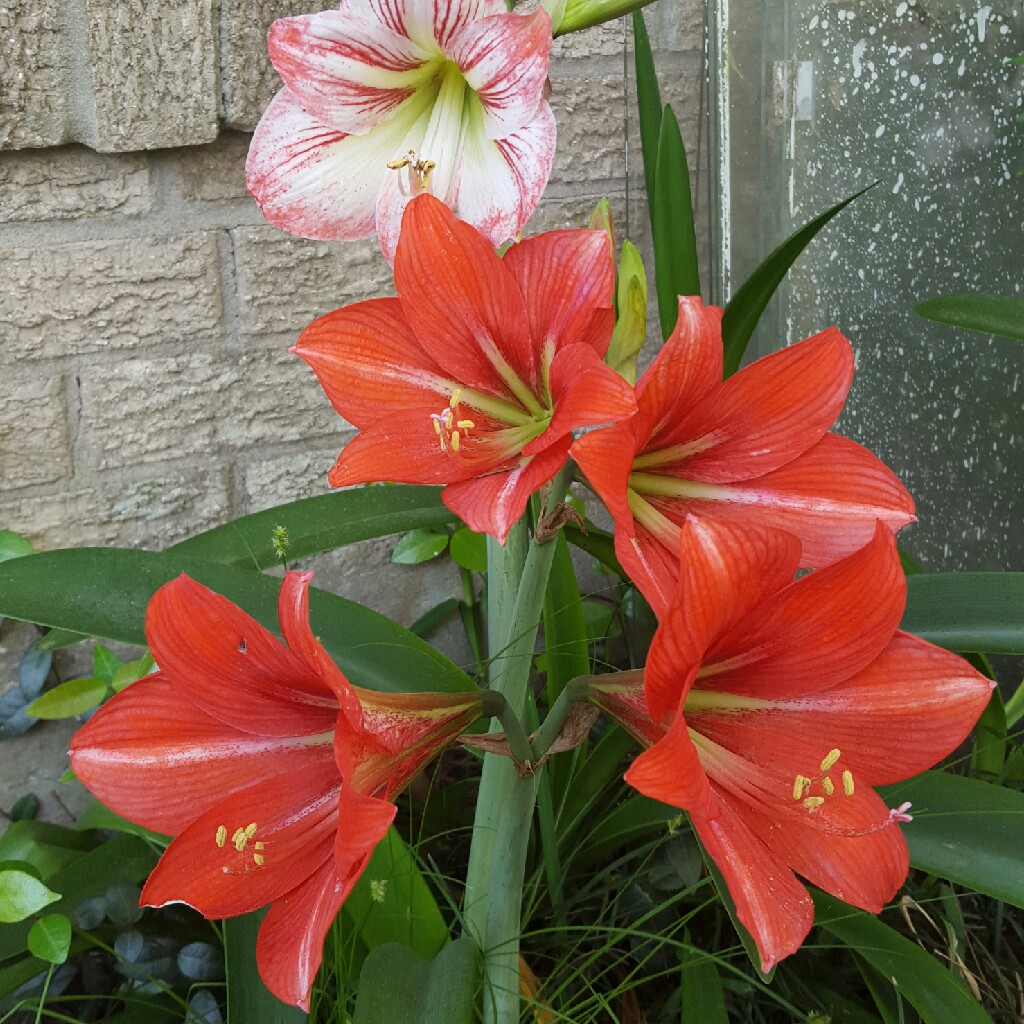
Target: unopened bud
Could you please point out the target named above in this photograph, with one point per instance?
(631, 323)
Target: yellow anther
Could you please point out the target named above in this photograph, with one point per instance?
(250, 830)
(465, 424)
(848, 783)
(455, 440)
(437, 425)
(259, 859)
(798, 787)
(828, 786)
(397, 165)
(222, 835)
(456, 398)
(830, 759)
(240, 839)
(812, 803)
(261, 846)
(424, 169)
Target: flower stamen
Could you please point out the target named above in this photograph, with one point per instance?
(417, 165)
(802, 783)
(451, 431)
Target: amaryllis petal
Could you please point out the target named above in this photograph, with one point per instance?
(252, 846)
(566, 277)
(155, 758)
(462, 303)
(606, 458)
(505, 62)
(771, 411)
(817, 632)
(493, 503)
(773, 906)
(530, 152)
(290, 943)
(911, 706)
(437, 19)
(403, 448)
(368, 362)
(347, 70)
(232, 668)
(831, 497)
(670, 771)
(586, 392)
(363, 821)
(727, 571)
(293, 614)
(316, 182)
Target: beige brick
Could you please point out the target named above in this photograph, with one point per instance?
(130, 510)
(195, 405)
(589, 111)
(72, 182)
(34, 436)
(676, 26)
(248, 78)
(605, 40)
(274, 481)
(284, 282)
(215, 172)
(93, 296)
(33, 102)
(154, 73)
(574, 212)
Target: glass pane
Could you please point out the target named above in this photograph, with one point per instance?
(825, 98)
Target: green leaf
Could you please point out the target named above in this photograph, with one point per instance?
(396, 986)
(989, 753)
(104, 592)
(434, 617)
(74, 697)
(965, 830)
(13, 545)
(323, 523)
(1015, 707)
(744, 309)
(469, 549)
(22, 895)
(598, 543)
(989, 314)
(700, 988)
(249, 1000)
(392, 902)
(97, 815)
(47, 847)
(419, 546)
(105, 663)
(50, 938)
(648, 98)
(929, 986)
(565, 631)
(967, 611)
(132, 671)
(25, 808)
(676, 270)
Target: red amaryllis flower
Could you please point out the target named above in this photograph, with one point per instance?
(771, 707)
(476, 375)
(386, 99)
(274, 773)
(754, 449)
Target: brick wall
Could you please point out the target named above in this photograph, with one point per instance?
(145, 307)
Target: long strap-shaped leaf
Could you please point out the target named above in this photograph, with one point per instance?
(249, 1000)
(744, 309)
(648, 98)
(104, 592)
(989, 314)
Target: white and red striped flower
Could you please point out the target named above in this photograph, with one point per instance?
(385, 99)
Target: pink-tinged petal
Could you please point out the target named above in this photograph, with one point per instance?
(293, 613)
(369, 363)
(830, 497)
(726, 571)
(530, 152)
(586, 392)
(347, 70)
(909, 708)
(687, 367)
(771, 411)
(153, 757)
(462, 303)
(431, 20)
(505, 62)
(493, 503)
(566, 277)
(229, 666)
(773, 906)
(316, 182)
(296, 817)
(363, 821)
(404, 448)
(818, 632)
(865, 870)
(289, 947)
(670, 771)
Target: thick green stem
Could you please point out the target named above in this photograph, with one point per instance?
(505, 803)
